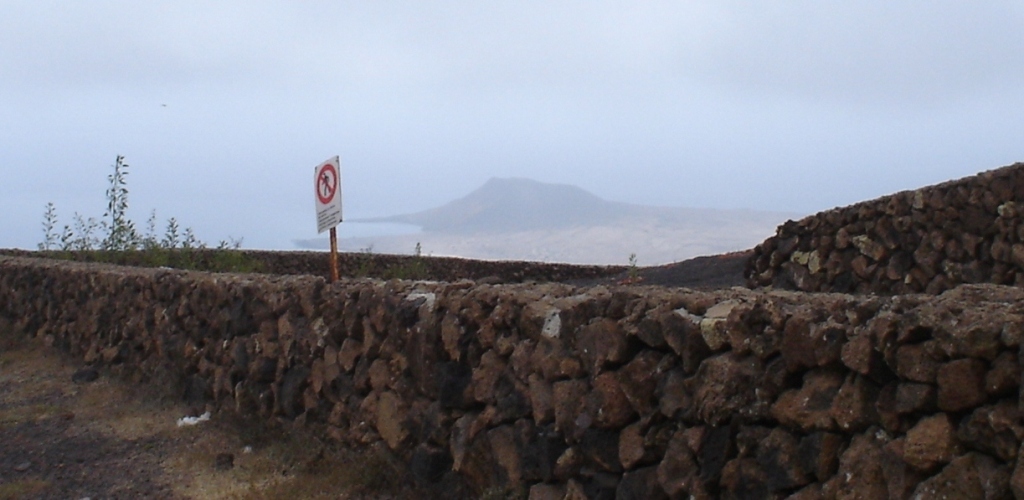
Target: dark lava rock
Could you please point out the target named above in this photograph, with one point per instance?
(224, 461)
(85, 375)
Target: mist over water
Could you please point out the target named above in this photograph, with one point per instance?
(372, 229)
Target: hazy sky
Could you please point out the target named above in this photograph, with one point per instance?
(223, 108)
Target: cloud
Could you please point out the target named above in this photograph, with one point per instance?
(879, 51)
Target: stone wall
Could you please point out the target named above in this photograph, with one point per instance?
(625, 392)
(928, 240)
(357, 264)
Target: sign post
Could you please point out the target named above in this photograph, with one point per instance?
(327, 184)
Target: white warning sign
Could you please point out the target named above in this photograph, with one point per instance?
(327, 182)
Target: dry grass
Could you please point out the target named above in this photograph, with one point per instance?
(26, 488)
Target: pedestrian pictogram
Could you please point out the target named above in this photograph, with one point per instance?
(327, 184)
(327, 187)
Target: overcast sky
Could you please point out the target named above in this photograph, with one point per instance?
(224, 108)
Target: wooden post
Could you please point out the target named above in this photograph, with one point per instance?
(334, 255)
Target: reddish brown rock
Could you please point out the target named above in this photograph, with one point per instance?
(676, 394)
(569, 367)
(915, 363)
(744, 478)
(900, 478)
(471, 454)
(568, 464)
(631, 445)
(1017, 477)
(678, 473)
(607, 406)
(853, 408)
(862, 267)
(749, 439)
(639, 379)
(601, 344)
(289, 393)
(779, 458)
(486, 376)
(870, 248)
(913, 397)
(682, 333)
(545, 357)
(819, 454)
(931, 442)
(521, 359)
(451, 332)
(978, 330)
(995, 430)
(542, 491)
(860, 474)
(972, 476)
(575, 491)
(350, 351)
(798, 344)
(1003, 378)
(429, 464)
(961, 384)
(600, 450)
(506, 453)
(717, 446)
(391, 420)
(727, 386)
(641, 484)
(887, 407)
(541, 399)
(809, 492)
(649, 329)
(860, 355)
(810, 407)
(568, 404)
(380, 375)
(750, 330)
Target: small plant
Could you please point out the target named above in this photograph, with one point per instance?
(191, 242)
(49, 223)
(633, 272)
(121, 234)
(177, 247)
(149, 241)
(171, 237)
(84, 229)
(229, 244)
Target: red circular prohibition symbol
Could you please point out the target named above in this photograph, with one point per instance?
(326, 184)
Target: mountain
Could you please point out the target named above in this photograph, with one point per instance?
(522, 219)
(503, 205)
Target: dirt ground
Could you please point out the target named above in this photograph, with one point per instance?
(105, 439)
(701, 273)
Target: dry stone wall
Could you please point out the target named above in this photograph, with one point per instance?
(623, 392)
(928, 240)
(355, 265)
